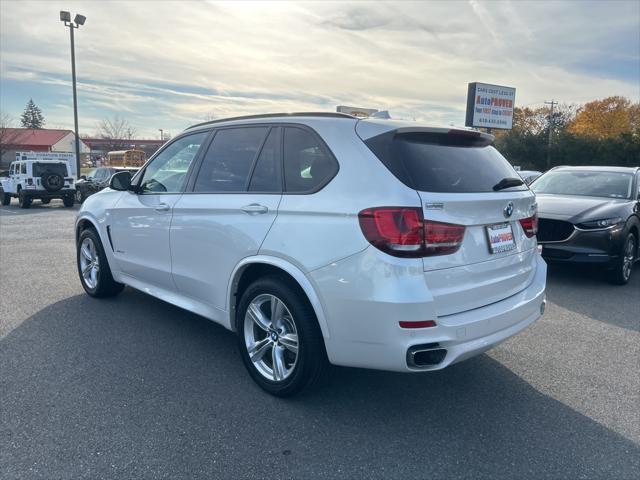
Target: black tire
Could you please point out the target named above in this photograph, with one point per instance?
(623, 266)
(23, 200)
(68, 201)
(45, 201)
(79, 197)
(105, 286)
(6, 199)
(311, 360)
(52, 181)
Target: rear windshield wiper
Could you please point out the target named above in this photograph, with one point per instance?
(507, 183)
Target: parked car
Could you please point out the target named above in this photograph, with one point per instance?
(38, 179)
(322, 238)
(590, 215)
(96, 180)
(529, 175)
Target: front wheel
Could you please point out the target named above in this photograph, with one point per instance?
(94, 271)
(79, 196)
(624, 264)
(6, 199)
(280, 341)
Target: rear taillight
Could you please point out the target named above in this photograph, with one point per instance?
(530, 225)
(403, 232)
(442, 238)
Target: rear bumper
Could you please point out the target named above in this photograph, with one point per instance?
(44, 194)
(364, 329)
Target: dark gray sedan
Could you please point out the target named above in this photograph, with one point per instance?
(590, 215)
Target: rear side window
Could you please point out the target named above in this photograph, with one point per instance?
(266, 175)
(308, 164)
(227, 163)
(443, 163)
(23, 168)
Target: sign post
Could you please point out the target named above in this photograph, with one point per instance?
(490, 106)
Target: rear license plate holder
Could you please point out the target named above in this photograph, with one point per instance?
(500, 237)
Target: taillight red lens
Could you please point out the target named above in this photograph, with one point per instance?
(394, 230)
(530, 225)
(418, 324)
(442, 238)
(402, 232)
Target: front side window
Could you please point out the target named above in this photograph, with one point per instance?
(228, 161)
(167, 173)
(308, 165)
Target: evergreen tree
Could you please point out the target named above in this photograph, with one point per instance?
(32, 116)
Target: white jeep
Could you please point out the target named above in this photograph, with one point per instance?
(41, 179)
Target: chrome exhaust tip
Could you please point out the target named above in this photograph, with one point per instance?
(427, 355)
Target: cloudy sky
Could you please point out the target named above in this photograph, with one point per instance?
(162, 64)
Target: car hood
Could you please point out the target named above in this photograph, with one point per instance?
(576, 208)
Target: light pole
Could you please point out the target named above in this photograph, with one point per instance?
(77, 21)
(161, 134)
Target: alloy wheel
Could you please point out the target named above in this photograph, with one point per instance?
(629, 257)
(89, 263)
(271, 337)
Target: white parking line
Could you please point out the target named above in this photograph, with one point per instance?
(8, 211)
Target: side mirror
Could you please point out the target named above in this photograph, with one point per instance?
(120, 181)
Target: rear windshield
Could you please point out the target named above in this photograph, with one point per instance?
(40, 168)
(442, 163)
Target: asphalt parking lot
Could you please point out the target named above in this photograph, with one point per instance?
(133, 387)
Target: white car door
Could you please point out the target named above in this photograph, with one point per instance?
(227, 210)
(140, 221)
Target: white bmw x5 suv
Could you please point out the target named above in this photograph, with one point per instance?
(321, 238)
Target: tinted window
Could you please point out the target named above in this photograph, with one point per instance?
(307, 163)
(441, 162)
(585, 182)
(228, 161)
(23, 168)
(167, 172)
(266, 174)
(39, 169)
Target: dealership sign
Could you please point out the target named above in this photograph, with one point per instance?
(490, 106)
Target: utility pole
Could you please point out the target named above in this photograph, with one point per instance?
(553, 103)
(77, 22)
(161, 134)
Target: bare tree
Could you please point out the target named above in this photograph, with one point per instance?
(6, 132)
(117, 129)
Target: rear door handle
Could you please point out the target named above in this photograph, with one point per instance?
(162, 207)
(254, 209)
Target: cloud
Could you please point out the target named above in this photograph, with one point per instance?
(170, 64)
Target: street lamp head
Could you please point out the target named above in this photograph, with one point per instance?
(65, 16)
(79, 19)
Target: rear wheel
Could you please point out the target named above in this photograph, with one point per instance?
(280, 341)
(79, 196)
(94, 271)
(624, 264)
(6, 199)
(23, 200)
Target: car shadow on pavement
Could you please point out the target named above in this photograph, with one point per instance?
(586, 291)
(134, 387)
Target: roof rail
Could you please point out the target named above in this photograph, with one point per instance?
(272, 115)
